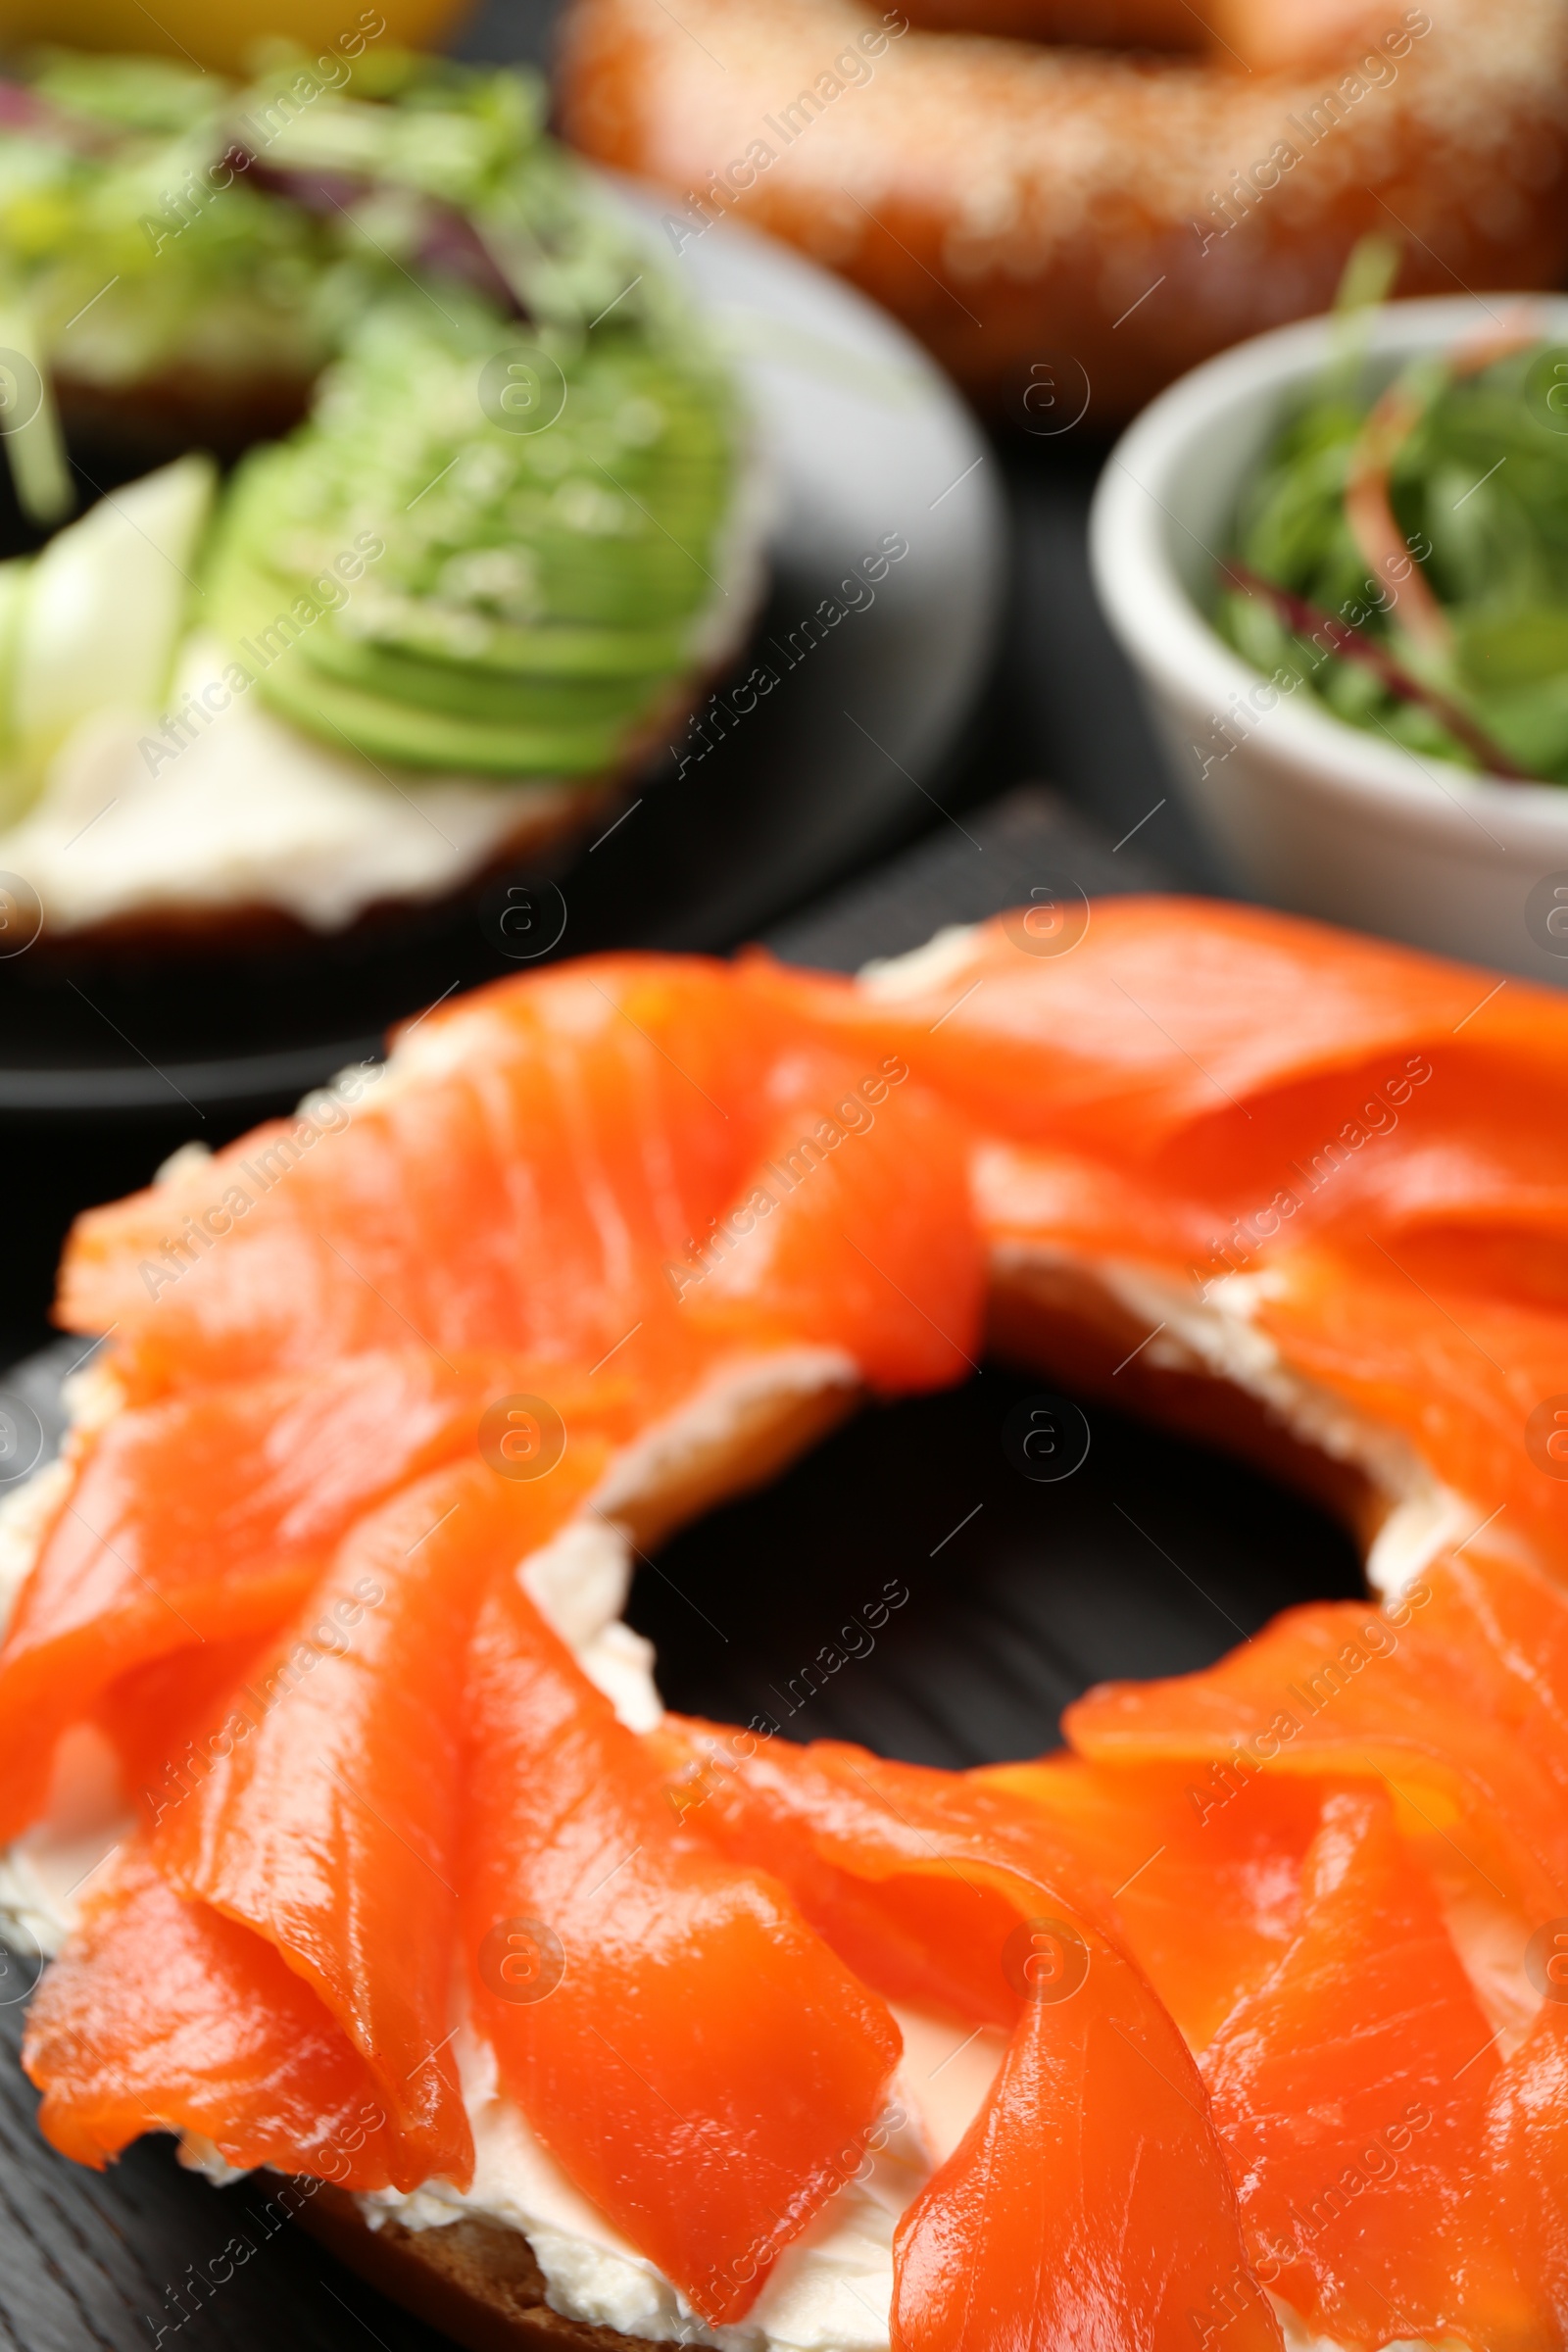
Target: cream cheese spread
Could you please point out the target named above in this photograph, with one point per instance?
(251, 813)
(1219, 1336)
(829, 2291)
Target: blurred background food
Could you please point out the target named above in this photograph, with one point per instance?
(1402, 554)
(1335, 557)
(275, 412)
(512, 530)
(1133, 210)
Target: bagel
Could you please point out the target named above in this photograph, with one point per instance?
(1066, 225)
(395, 1394)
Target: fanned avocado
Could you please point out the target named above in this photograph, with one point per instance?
(497, 544)
(518, 600)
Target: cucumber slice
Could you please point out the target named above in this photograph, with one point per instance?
(106, 605)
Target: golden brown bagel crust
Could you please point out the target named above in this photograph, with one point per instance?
(1017, 206)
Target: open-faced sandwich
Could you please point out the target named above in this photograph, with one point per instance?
(494, 525)
(348, 1803)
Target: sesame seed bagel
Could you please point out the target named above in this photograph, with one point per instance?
(1022, 206)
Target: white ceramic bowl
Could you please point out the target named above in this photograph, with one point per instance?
(1305, 810)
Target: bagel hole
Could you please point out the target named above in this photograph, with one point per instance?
(1154, 1557)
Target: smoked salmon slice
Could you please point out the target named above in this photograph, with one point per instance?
(1167, 1012)
(696, 2061)
(1476, 1144)
(1455, 1372)
(1350, 2092)
(1527, 2139)
(518, 1183)
(161, 2015)
(207, 1518)
(1088, 2203)
(1149, 1834)
(1246, 1071)
(853, 1229)
(378, 1796)
(326, 1818)
(1455, 1696)
(913, 1876)
(159, 1718)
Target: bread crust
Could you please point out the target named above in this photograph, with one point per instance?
(539, 839)
(476, 2280)
(134, 427)
(1047, 221)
